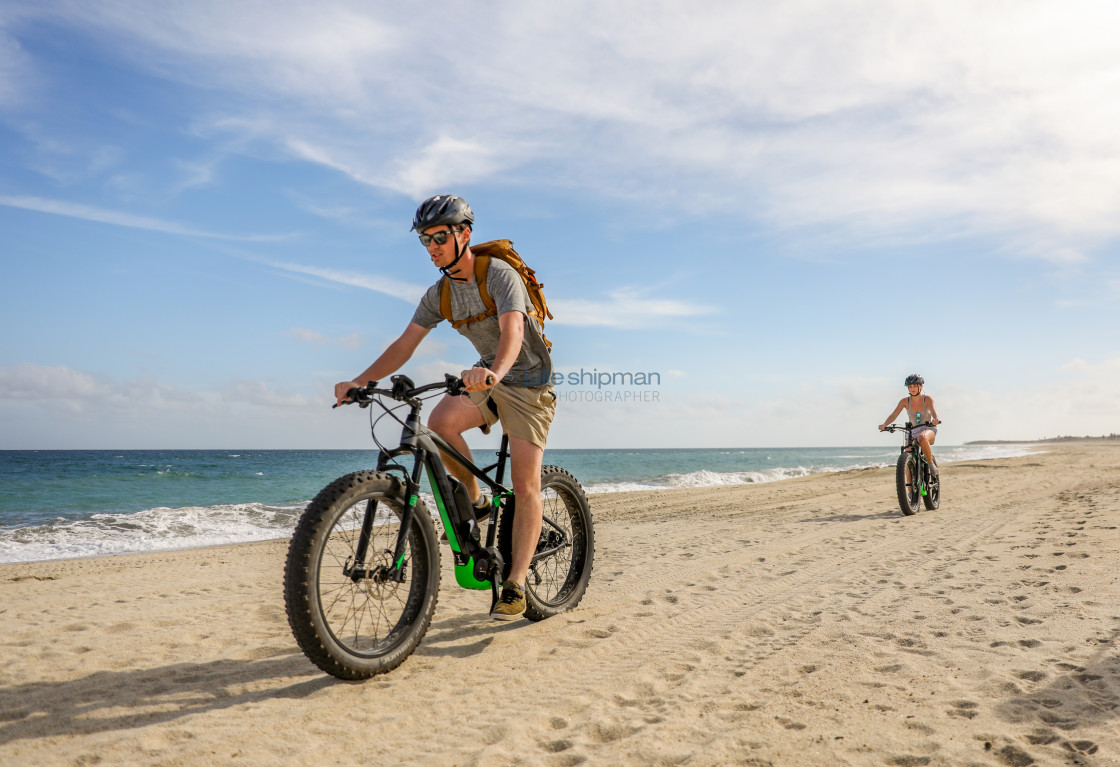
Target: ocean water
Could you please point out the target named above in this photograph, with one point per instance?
(79, 503)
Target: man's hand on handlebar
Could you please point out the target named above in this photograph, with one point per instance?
(478, 378)
(342, 388)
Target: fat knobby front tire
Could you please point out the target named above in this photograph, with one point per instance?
(906, 482)
(351, 620)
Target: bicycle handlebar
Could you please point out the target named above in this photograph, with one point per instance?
(404, 390)
(910, 426)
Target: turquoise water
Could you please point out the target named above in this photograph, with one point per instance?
(76, 503)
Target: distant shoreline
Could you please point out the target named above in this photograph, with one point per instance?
(1111, 438)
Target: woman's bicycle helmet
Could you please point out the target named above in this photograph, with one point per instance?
(915, 379)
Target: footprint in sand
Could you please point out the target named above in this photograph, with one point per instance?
(1081, 746)
(1014, 756)
(1061, 722)
(556, 746)
(908, 760)
(789, 724)
(963, 708)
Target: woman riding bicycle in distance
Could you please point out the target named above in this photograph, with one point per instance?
(919, 406)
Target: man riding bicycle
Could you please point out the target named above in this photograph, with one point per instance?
(510, 383)
(918, 405)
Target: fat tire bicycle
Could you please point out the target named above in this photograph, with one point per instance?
(362, 576)
(913, 477)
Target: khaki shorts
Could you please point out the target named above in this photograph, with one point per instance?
(524, 412)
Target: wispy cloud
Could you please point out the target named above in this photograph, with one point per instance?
(117, 218)
(627, 308)
(15, 69)
(1106, 367)
(389, 286)
(99, 393)
(315, 338)
(81, 390)
(874, 119)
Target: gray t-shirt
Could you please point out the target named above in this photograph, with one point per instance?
(534, 364)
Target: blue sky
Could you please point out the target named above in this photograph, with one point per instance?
(781, 209)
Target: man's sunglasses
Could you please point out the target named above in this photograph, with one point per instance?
(439, 238)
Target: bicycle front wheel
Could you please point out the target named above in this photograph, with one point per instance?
(906, 482)
(349, 615)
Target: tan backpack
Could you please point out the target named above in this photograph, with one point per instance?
(483, 252)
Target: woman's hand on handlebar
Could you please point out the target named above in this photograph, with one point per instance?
(342, 388)
(478, 378)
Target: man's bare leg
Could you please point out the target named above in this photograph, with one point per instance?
(525, 461)
(449, 419)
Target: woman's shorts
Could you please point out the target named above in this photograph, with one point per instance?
(525, 412)
(918, 431)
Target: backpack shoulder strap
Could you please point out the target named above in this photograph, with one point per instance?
(481, 270)
(445, 299)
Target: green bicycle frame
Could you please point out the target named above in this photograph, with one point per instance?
(425, 446)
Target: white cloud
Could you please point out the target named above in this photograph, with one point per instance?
(625, 308)
(315, 338)
(81, 408)
(869, 117)
(28, 381)
(16, 72)
(82, 391)
(391, 287)
(133, 399)
(116, 218)
(263, 395)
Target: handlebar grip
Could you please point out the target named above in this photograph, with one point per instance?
(355, 395)
(455, 385)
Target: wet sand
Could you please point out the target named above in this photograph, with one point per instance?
(803, 622)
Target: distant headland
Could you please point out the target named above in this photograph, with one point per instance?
(1048, 440)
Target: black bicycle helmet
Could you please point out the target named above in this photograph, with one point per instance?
(916, 378)
(443, 209)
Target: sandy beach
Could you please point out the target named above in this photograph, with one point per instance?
(803, 622)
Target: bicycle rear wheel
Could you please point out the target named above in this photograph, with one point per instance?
(351, 620)
(558, 580)
(906, 482)
(932, 498)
